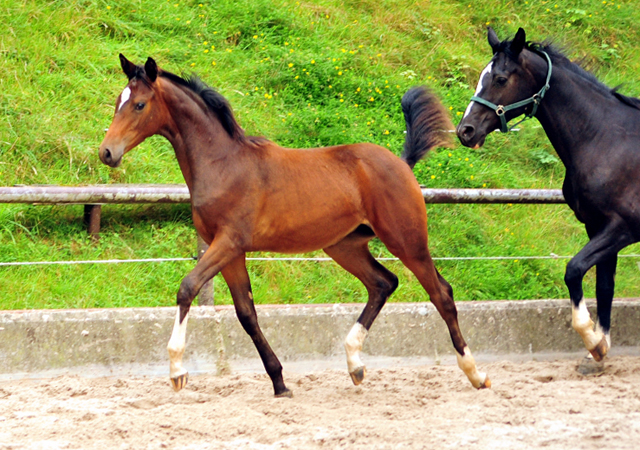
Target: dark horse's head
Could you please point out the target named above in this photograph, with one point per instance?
(514, 75)
(138, 112)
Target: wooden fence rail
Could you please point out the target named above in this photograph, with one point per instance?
(178, 193)
(93, 196)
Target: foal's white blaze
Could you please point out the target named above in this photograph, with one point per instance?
(176, 346)
(124, 97)
(478, 88)
(582, 323)
(353, 345)
(468, 365)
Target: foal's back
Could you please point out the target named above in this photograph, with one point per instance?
(313, 198)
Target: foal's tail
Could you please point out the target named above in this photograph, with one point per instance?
(428, 124)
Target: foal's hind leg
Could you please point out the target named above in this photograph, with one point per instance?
(441, 295)
(352, 253)
(237, 278)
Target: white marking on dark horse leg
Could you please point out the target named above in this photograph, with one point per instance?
(606, 334)
(177, 343)
(124, 97)
(467, 363)
(353, 346)
(478, 88)
(588, 365)
(595, 341)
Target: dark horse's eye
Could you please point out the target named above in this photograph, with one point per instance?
(139, 106)
(501, 81)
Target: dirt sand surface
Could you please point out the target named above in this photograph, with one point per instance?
(531, 405)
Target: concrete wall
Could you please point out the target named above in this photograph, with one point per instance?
(119, 340)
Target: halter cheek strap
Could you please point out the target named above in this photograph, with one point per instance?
(535, 99)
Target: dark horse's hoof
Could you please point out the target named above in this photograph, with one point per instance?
(600, 350)
(287, 393)
(180, 381)
(589, 366)
(358, 375)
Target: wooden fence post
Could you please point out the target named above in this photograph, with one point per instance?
(206, 295)
(92, 215)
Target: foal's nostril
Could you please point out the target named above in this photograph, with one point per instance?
(107, 155)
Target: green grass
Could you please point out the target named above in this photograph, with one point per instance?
(303, 74)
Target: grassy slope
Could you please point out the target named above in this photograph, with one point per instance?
(294, 72)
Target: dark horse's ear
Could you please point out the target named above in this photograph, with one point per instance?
(128, 67)
(518, 42)
(151, 69)
(494, 42)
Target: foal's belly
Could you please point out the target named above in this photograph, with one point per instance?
(296, 235)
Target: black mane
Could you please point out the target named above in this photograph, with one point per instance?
(560, 59)
(215, 102)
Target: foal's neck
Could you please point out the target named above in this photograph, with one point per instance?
(196, 134)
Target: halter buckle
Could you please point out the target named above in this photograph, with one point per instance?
(500, 110)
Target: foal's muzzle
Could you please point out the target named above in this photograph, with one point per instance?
(111, 156)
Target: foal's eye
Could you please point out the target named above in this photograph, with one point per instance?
(501, 81)
(139, 106)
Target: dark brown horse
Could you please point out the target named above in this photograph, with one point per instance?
(249, 194)
(596, 132)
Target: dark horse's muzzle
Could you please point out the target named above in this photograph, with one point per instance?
(469, 136)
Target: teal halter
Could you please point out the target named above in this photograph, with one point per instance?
(535, 99)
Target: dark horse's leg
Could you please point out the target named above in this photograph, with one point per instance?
(605, 273)
(237, 278)
(352, 253)
(602, 250)
(219, 254)
(605, 281)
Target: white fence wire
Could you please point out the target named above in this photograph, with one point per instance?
(271, 259)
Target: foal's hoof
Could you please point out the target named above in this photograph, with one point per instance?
(486, 384)
(600, 350)
(287, 393)
(358, 375)
(589, 366)
(180, 381)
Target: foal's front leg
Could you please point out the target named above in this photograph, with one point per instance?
(237, 278)
(220, 252)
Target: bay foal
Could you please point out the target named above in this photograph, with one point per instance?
(249, 194)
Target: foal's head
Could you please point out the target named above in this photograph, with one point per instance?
(140, 112)
(512, 75)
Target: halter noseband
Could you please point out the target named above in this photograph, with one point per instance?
(535, 99)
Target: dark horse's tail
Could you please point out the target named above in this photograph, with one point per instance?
(428, 124)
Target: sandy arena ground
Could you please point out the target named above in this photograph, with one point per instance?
(531, 405)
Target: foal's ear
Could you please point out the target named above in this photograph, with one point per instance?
(492, 37)
(128, 67)
(151, 69)
(518, 42)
